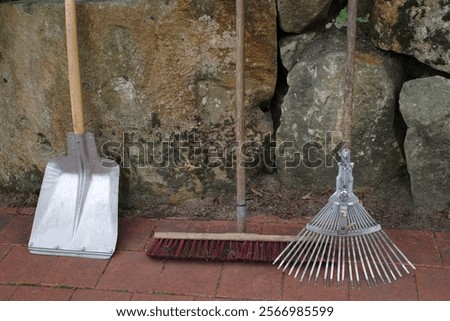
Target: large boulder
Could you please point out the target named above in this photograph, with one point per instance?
(295, 15)
(425, 106)
(311, 120)
(416, 28)
(158, 90)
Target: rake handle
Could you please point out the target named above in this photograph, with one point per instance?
(74, 67)
(350, 71)
(240, 121)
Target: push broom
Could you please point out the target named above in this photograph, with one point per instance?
(238, 246)
(343, 242)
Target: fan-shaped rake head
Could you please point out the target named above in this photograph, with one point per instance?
(343, 242)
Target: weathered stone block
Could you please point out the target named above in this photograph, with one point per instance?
(292, 48)
(416, 28)
(295, 15)
(311, 120)
(425, 106)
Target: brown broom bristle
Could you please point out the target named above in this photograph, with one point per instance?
(216, 250)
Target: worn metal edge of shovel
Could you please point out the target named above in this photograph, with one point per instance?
(77, 211)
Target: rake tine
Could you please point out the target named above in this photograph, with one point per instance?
(344, 241)
(313, 266)
(322, 215)
(292, 246)
(297, 255)
(379, 237)
(321, 259)
(361, 217)
(338, 272)
(380, 262)
(355, 262)
(317, 251)
(349, 262)
(305, 256)
(383, 255)
(332, 260)
(329, 225)
(360, 245)
(365, 217)
(373, 261)
(387, 238)
(327, 262)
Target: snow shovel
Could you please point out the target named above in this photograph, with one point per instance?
(77, 214)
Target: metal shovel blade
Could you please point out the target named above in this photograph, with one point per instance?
(77, 210)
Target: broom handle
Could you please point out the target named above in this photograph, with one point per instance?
(74, 67)
(350, 72)
(240, 122)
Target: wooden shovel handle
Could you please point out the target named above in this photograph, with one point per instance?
(74, 67)
(350, 73)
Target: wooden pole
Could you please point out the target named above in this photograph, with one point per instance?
(350, 72)
(74, 67)
(240, 111)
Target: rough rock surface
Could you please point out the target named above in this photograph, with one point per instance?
(365, 7)
(292, 48)
(154, 74)
(311, 117)
(416, 28)
(295, 15)
(425, 106)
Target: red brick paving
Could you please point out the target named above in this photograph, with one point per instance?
(282, 229)
(4, 220)
(134, 233)
(131, 271)
(17, 231)
(189, 277)
(263, 282)
(419, 246)
(8, 211)
(74, 272)
(433, 284)
(161, 297)
(404, 289)
(34, 293)
(7, 291)
(443, 242)
(26, 211)
(19, 266)
(100, 295)
(4, 249)
(294, 290)
(131, 275)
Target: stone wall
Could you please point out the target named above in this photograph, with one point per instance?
(311, 120)
(158, 88)
(158, 84)
(399, 43)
